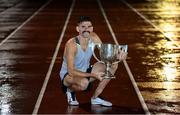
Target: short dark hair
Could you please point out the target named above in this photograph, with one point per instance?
(84, 18)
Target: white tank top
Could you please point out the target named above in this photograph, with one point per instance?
(82, 58)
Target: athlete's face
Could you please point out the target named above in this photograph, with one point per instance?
(85, 28)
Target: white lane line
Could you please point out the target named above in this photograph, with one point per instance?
(41, 94)
(147, 20)
(125, 63)
(19, 27)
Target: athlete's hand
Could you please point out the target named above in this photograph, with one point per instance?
(122, 55)
(100, 76)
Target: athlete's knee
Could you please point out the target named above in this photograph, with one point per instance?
(98, 67)
(83, 84)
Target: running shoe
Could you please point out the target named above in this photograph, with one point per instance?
(71, 98)
(99, 101)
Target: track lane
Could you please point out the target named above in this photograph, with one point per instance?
(141, 99)
(13, 17)
(25, 58)
(38, 102)
(154, 58)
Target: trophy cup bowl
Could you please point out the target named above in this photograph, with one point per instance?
(108, 55)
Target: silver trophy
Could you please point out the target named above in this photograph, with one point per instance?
(108, 55)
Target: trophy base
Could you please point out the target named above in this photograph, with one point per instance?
(108, 75)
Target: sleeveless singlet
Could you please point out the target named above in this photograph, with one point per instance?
(82, 58)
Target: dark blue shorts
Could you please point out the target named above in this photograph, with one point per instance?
(64, 88)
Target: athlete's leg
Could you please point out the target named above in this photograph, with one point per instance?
(74, 84)
(97, 68)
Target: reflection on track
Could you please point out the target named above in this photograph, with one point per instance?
(15, 17)
(5, 5)
(97, 109)
(156, 50)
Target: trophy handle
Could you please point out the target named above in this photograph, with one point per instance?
(123, 48)
(98, 46)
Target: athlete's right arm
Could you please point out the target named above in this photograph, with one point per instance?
(70, 53)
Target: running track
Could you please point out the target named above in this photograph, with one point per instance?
(31, 56)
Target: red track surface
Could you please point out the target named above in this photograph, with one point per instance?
(27, 54)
